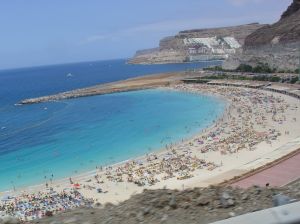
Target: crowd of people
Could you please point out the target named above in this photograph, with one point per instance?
(245, 124)
(33, 206)
(175, 163)
(242, 127)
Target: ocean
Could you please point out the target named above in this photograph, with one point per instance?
(72, 136)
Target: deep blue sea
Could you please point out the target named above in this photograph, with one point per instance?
(72, 136)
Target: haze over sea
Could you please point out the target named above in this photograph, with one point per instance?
(72, 136)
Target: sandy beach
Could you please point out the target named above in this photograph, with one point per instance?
(257, 127)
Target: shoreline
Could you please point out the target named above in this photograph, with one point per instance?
(81, 176)
(90, 173)
(224, 167)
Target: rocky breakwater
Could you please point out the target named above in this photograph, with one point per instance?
(145, 82)
(197, 44)
(278, 44)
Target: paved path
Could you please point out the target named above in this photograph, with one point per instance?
(278, 175)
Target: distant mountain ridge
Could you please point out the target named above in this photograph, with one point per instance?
(278, 44)
(197, 44)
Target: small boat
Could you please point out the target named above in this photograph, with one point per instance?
(69, 75)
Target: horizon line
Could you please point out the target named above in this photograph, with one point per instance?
(58, 64)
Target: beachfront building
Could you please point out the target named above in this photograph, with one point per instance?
(210, 48)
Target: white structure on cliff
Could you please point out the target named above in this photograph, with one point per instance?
(209, 48)
(232, 42)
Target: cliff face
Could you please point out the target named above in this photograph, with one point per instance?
(277, 44)
(294, 7)
(238, 32)
(286, 30)
(198, 44)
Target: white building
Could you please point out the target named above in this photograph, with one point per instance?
(211, 47)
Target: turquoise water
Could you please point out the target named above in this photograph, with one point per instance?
(78, 135)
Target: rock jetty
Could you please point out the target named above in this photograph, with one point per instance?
(145, 82)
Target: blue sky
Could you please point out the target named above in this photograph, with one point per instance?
(38, 32)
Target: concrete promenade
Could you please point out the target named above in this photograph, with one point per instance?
(278, 175)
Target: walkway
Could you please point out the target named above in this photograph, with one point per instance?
(278, 175)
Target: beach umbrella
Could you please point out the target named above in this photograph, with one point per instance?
(76, 185)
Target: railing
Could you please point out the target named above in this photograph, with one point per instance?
(286, 214)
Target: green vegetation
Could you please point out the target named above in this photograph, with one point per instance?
(225, 76)
(261, 72)
(294, 80)
(263, 68)
(245, 68)
(266, 78)
(260, 68)
(215, 68)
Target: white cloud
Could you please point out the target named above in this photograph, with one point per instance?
(171, 27)
(168, 26)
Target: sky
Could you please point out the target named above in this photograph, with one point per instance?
(42, 32)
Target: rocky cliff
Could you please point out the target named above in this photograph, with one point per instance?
(238, 32)
(286, 30)
(198, 44)
(276, 44)
(294, 7)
